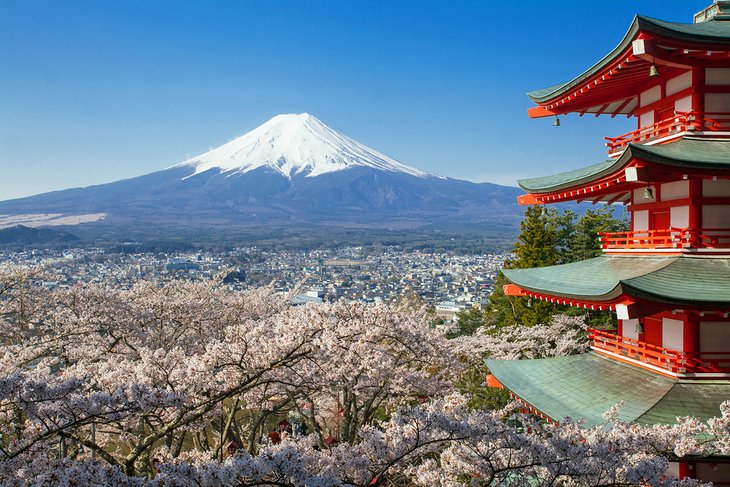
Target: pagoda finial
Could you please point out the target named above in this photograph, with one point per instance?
(719, 10)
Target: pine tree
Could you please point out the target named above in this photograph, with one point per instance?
(537, 243)
(537, 246)
(585, 242)
(547, 237)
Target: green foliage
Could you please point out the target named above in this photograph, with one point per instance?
(505, 310)
(547, 237)
(471, 383)
(585, 243)
(537, 243)
(467, 322)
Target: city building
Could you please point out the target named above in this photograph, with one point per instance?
(668, 278)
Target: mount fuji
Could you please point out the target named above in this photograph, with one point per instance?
(294, 145)
(292, 171)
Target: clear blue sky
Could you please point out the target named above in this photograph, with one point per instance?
(97, 91)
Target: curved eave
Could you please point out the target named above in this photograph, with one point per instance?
(707, 33)
(597, 280)
(573, 179)
(691, 281)
(687, 153)
(585, 386)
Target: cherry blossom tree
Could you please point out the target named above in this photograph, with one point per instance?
(145, 386)
(192, 363)
(563, 335)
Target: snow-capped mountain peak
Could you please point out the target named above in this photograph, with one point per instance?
(294, 144)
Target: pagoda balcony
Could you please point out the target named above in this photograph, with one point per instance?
(680, 122)
(669, 238)
(656, 357)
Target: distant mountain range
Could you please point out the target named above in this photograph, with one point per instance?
(291, 171)
(22, 235)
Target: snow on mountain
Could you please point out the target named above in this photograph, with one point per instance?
(294, 144)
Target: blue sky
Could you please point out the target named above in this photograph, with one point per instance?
(97, 91)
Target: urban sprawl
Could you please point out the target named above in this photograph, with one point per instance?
(448, 282)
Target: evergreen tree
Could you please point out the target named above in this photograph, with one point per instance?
(537, 243)
(585, 242)
(547, 237)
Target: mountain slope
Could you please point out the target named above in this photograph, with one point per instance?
(292, 170)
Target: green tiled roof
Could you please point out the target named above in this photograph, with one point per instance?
(565, 179)
(687, 280)
(587, 385)
(676, 280)
(688, 152)
(716, 32)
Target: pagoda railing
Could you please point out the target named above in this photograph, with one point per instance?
(664, 358)
(679, 122)
(668, 238)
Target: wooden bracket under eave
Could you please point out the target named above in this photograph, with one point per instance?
(540, 112)
(528, 200)
(513, 290)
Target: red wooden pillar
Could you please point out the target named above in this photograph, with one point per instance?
(695, 210)
(691, 333)
(686, 469)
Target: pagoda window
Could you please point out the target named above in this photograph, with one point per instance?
(630, 329)
(714, 337)
(673, 334)
(717, 76)
(675, 190)
(683, 104)
(641, 220)
(650, 96)
(679, 83)
(717, 102)
(717, 188)
(679, 217)
(646, 98)
(716, 217)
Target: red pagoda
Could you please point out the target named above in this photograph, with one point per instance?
(668, 278)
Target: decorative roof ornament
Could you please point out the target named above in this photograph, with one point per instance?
(719, 10)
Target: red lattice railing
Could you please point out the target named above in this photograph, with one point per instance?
(680, 122)
(671, 360)
(669, 238)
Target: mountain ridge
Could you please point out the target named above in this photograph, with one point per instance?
(294, 171)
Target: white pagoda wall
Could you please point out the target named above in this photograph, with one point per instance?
(628, 329)
(673, 334)
(717, 76)
(679, 83)
(716, 216)
(714, 336)
(717, 102)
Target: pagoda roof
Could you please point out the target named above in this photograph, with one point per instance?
(687, 152)
(585, 386)
(714, 32)
(676, 280)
